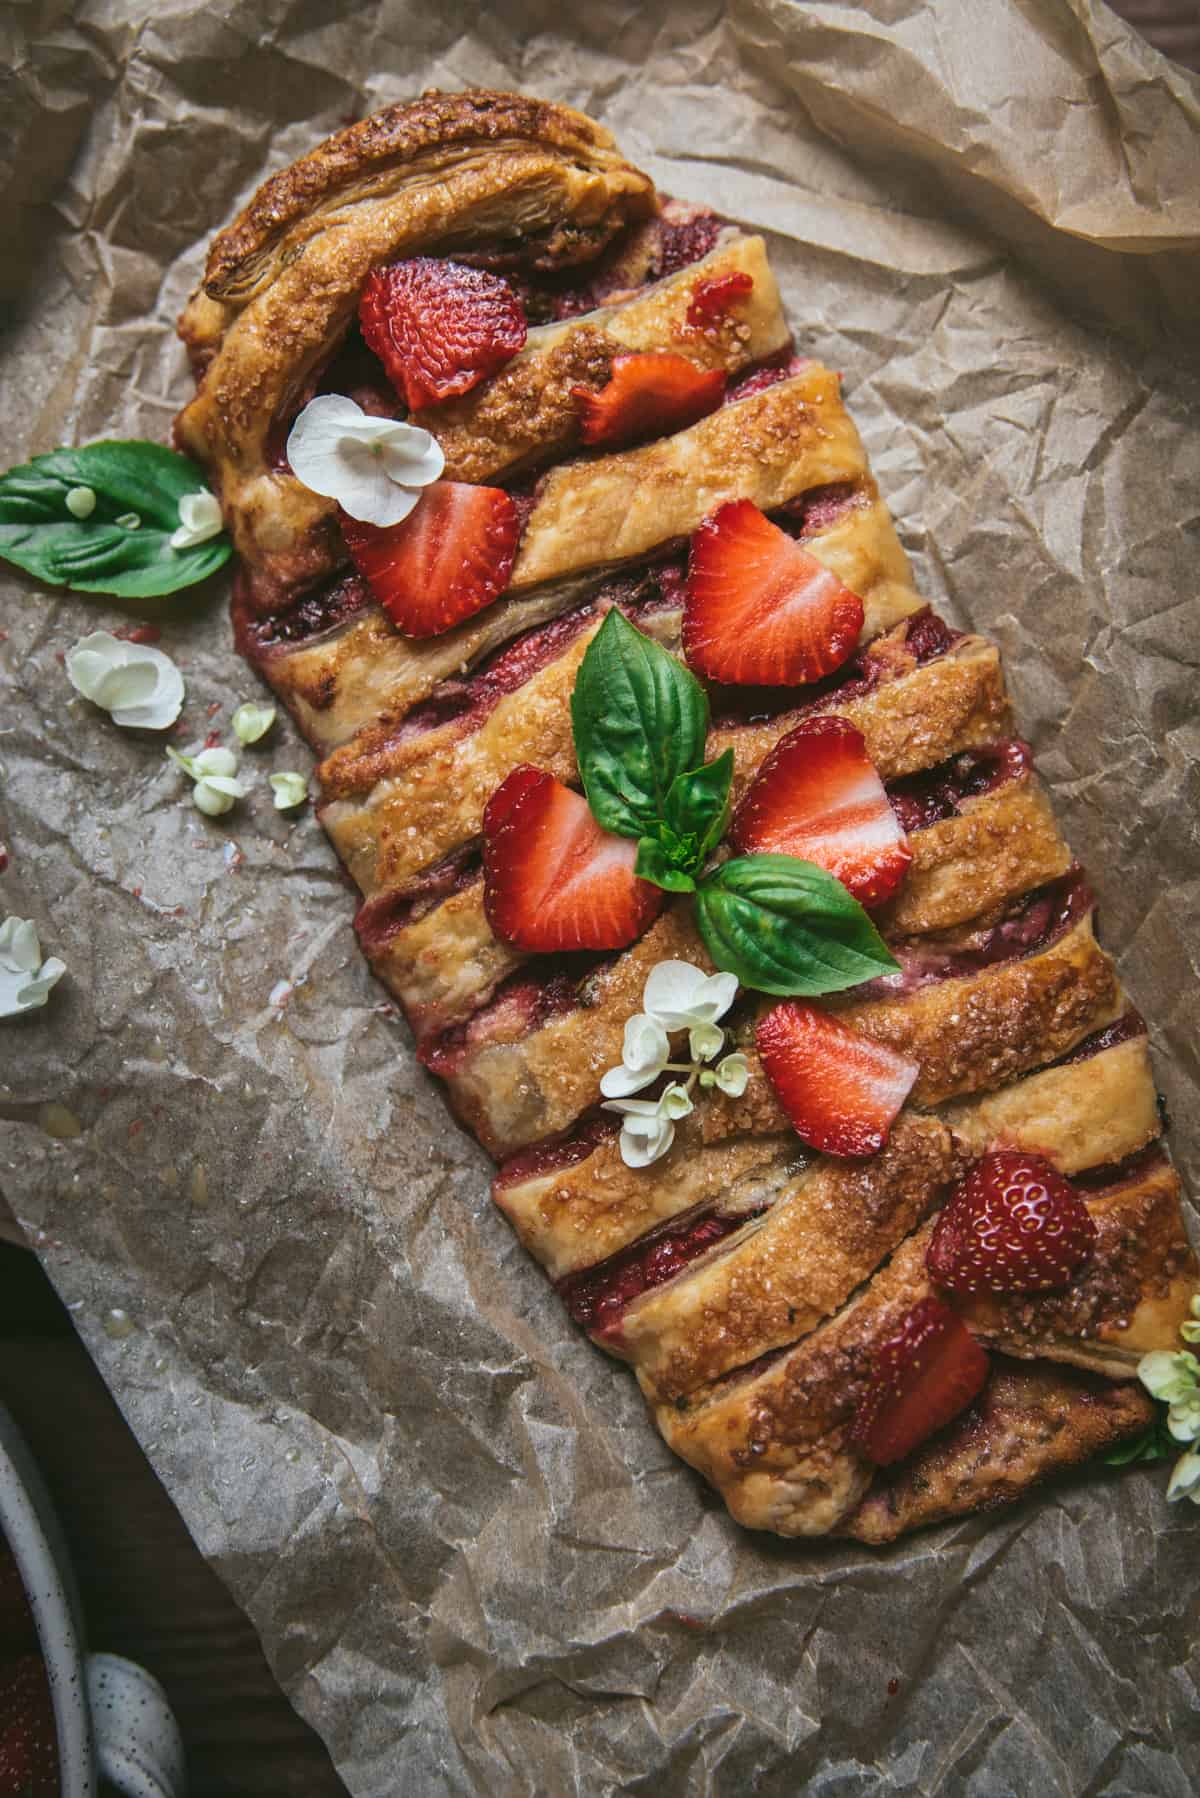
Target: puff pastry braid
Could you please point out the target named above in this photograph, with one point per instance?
(748, 1279)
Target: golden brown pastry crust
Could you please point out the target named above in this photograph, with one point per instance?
(1030, 1423)
(446, 173)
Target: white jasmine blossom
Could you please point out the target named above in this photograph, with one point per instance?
(136, 684)
(81, 502)
(251, 721)
(1185, 1478)
(214, 772)
(1169, 1377)
(289, 790)
(648, 1125)
(25, 979)
(374, 468)
(199, 519)
(129, 521)
(1191, 1331)
(677, 996)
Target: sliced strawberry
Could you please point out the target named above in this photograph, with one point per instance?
(924, 1375)
(760, 610)
(714, 299)
(818, 796)
(28, 1741)
(1015, 1224)
(840, 1089)
(438, 327)
(450, 557)
(648, 395)
(553, 880)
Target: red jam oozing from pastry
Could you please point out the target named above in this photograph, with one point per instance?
(597, 1296)
(938, 793)
(1125, 1029)
(555, 1154)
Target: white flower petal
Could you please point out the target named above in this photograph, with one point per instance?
(1185, 1477)
(620, 1081)
(25, 979)
(139, 686)
(216, 796)
(1167, 1376)
(678, 994)
(289, 790)
(1183, 1420)
(640, 1151)
(732, 1075)
(705, 1041)
(644, 1045)
(217, 760)
(199, 519)
(252, 721)
(375, 468)
(635, 1108)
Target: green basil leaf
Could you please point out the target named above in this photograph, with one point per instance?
(97, 554)
(697, 806)
(654, 863)
(640, 720)
(785, 926)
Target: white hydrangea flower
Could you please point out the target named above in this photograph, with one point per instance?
(374, 468)
(732, 1074)
(199, 519)
(136, 684)
(252, 721)
(1191, 1331)
(644, 1054)
(680, 996)
(1185, 1478)
(648, 1125)
(1169, 1377)
(214, 772)
(25, 979)
(289, 790)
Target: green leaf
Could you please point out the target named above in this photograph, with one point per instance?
(697, 807)
(785, 926)
(96, 554)
(640, 721)
(654, 863)
(1154, 1444)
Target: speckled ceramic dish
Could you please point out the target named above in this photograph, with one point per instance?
(112, 1719)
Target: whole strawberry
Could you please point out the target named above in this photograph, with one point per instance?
(1015, 1224)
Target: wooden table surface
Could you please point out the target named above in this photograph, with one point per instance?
(147, 1590)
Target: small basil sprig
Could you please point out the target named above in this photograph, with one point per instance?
(782, 925)
(122, 544)
(1155, 1443)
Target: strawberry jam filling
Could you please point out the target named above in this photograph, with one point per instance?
(1130, 1172)
(554, 1154)
(1036, 922)
(938, 793)
(323, 608)
(597, 1296)
(522, 1004)
(1126, 1028)
(378, 920)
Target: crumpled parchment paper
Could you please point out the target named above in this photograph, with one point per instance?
(474, 1566)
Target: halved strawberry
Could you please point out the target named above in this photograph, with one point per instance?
(818, 796)
(924, 1375)
(714, 299)
(649, 394)
(840, 1089)
(760, 610)
(553, 880)
(449, 558)
(1015, 1224)
(439, 328)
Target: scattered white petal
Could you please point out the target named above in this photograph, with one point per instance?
(25, 979)
(374, 468)
(199, 519)
(81, 502)
(135, 683)
(732, 1075)
(252, 721)
(213, 771)
(129, 521)
(289, 790)
(1185, 1478)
